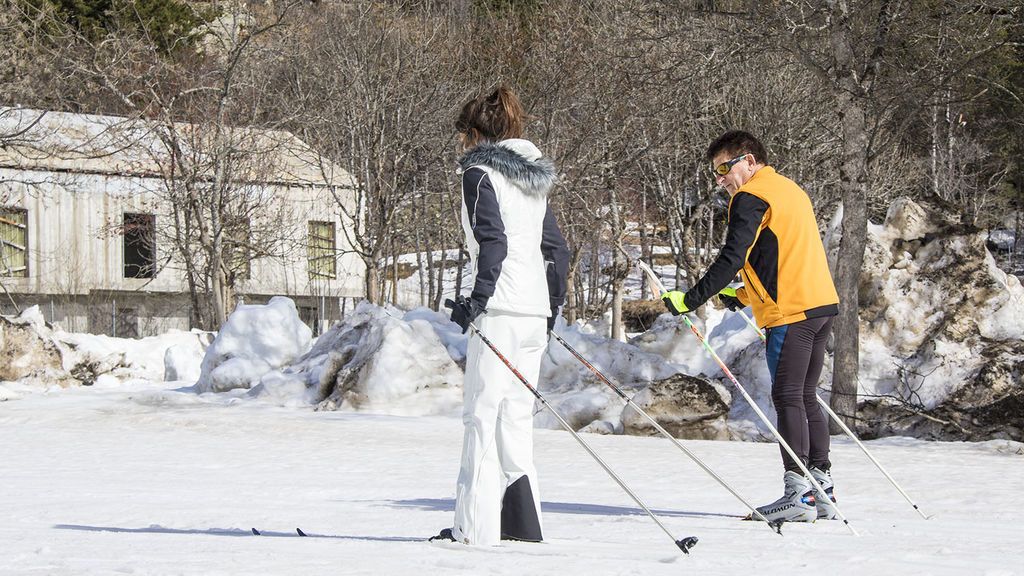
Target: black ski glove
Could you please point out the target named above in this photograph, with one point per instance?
(731, 302)
(728, 298)
(465, 310)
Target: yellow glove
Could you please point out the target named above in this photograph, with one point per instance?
(728, 297)
(675, 302)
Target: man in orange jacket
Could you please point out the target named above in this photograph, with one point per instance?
(773, 242)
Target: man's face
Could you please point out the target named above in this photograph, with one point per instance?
(742, 169)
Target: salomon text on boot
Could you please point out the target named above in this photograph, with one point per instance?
(797, 502)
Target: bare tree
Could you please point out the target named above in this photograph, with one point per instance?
(867, 56)
(377, 96)
(204, 108)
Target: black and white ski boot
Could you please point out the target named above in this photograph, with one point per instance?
(797, 503)
(444, 536)
(825, 504)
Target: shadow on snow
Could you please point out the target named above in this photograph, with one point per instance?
(448, 505)
(157, 529)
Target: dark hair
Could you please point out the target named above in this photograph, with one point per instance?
(495, 116)
(736, 142)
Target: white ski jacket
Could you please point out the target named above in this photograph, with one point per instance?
(519, 257)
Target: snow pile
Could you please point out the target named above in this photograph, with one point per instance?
(37, 357)
(942, 330)
(256, 339)
(131, 359)
(29, 353)
(942, 354)
(183, 362)
(376, 361)
(577, 394)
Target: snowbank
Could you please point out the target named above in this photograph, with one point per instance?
(377, 360)
(39, 357)
(256, 339)
(942, 353)
(942, 330)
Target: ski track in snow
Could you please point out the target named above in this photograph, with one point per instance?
(153, 479)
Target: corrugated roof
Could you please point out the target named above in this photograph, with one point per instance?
(70, 142)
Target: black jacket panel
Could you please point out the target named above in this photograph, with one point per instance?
(764, 259)
(556, 259)
(745, 215)
(488, 229)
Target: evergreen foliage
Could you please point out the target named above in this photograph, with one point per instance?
(169, 24)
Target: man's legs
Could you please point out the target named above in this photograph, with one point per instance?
(817, 426)
(791, 362)
(788, 353)
(817, 422)
(796, 353)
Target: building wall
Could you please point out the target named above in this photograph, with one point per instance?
(76, 252)
(140, 314)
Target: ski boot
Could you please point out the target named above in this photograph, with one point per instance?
(444, 536)
(796, 504)
(826, 505)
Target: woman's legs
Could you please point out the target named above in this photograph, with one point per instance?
(520, 513)
(497, 412)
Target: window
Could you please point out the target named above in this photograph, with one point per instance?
(13, 242)
(139, 245)
(321, 250)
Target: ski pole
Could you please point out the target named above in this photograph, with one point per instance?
(835, 418)
(684, 544)
(776, 526)
(849, 433)
(782, 442)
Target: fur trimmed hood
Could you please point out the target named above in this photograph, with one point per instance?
(519, 161)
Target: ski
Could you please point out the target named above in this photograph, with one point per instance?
(298, 532)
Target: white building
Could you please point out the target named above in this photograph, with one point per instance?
(89, 205)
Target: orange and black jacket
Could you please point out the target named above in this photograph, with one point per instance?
(773, 242)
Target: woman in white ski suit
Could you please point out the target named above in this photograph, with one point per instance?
(519, 260)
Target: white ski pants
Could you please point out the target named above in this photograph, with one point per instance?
(497, 448)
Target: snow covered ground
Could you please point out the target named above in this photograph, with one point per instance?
(152, 478)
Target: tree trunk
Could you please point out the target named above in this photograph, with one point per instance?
(372, 280)
(850, 260)
(573, 291)
(460, 271)
(570, 297)
(617, 331)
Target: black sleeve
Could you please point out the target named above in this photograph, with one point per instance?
(745, 214)
(488, 230)
(556, 258)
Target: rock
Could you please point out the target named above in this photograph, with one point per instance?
(686, 406)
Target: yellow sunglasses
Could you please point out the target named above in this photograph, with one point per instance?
(724, 168)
